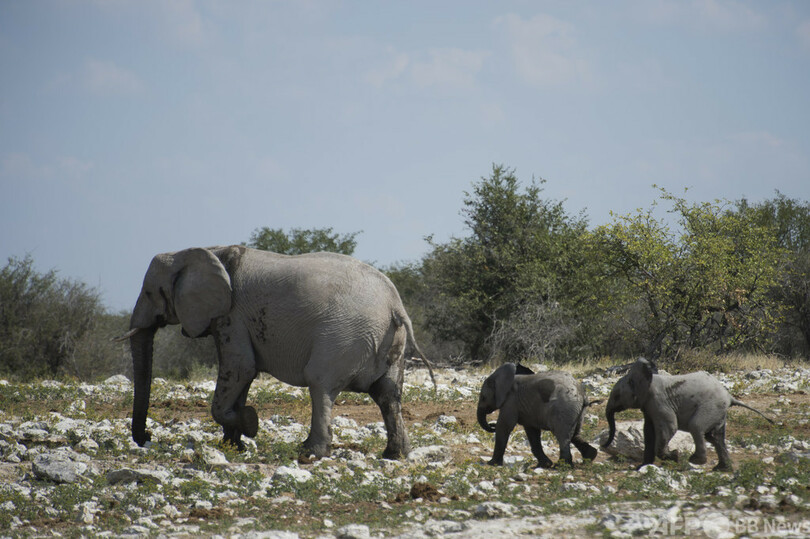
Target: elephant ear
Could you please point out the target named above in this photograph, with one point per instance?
(523, 369)
(504, 377)
(202, 290)
(546, 388)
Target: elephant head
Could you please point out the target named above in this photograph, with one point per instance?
(493, 393)
(189, 287)
(629, 392)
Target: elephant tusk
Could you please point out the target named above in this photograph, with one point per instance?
(126, 335)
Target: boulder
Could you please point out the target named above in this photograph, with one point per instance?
(58, 466)
(629, 441)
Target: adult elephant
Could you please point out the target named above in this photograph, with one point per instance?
(323, 321)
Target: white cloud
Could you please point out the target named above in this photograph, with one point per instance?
(712, 15)
(107, 78)
(448, 68)
(544, 50)
(182, 22)
(394, 69)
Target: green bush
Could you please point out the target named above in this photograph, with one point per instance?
(42, 319)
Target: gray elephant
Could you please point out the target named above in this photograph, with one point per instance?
(552, 401)
(696, 403)
(323, 321)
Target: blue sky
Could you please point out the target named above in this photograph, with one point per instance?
(133, 128)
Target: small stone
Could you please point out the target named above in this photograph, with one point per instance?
(213, 457)
(493, 510)
(353, 531)
(296, 474)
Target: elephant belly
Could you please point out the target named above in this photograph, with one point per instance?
(284, 365)
(307, 362)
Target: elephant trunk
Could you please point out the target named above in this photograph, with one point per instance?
(141, 345)
(482, 420)
(610, 414)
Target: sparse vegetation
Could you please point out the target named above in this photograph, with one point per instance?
(355, 486)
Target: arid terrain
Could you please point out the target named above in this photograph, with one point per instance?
(68, 467)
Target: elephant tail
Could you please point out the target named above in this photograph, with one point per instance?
(580, 416)
(401, 319)
(735, 402)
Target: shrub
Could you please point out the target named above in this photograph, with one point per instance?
(42, 319)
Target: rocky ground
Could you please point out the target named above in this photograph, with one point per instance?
(69, 468)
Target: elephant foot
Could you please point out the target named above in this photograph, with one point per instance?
(248, 421)
(587, 451)
(398, 446)
(544, 464)
(394, 454)
(495, 462)
(318, 450)
(698, 459)
(723, 467)
(240, 445)
(142, 437)
(234, 437)
(670, 455)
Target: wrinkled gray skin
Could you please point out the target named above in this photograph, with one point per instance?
(552, 401)
(323, 321)
(696, 403)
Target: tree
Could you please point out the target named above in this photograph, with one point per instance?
(299, 241)
(42, 318)
(790, 221)
(522, 250)
(705, 287)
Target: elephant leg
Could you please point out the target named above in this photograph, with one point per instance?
(717, 437)
(699, 456)
(665, 429)
(387, 393)
(649, 440)
(233, 435)
(237, 370)
(536, 443)
(319, 441)
(503, 430)
(585, 449)
(565, 448)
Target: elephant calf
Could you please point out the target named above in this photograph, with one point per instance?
(696, 403)
(552, 401)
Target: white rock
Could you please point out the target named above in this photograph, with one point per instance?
(493, 510)
(440, 528)
(353, 531)
(213, 457)
(344, 422)
(296, 474)
(486, 486)
(629, 441)
(446, 421)
(88, 445)
(58, 466)
(430, 453)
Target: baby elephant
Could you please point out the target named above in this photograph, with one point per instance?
(551, 401)
(696, 403)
